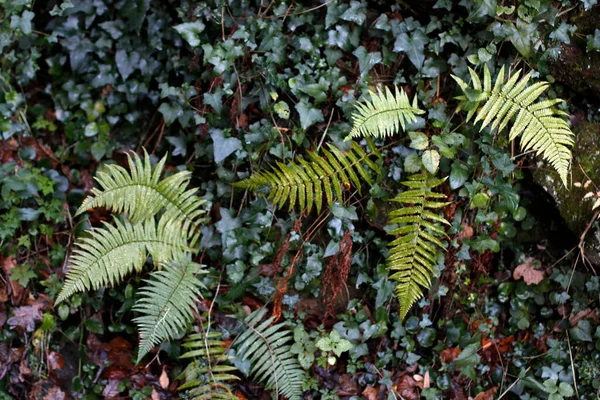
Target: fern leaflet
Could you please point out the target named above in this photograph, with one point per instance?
(141, 194)
(537, 123)
(385, 114)
(307, 183)
(413, 254)
(269, 354)
(206, 376)
(167, 303)
(109, 254)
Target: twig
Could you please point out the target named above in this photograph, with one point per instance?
(572, 364)
(511, 386)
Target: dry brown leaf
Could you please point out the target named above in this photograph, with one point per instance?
(426, 381)
(55, 393)
(487, 395)
(449, 355)
(24, 317)
(111, 390)
(8, 264)
(466, 233)
(55, 361)
(370, 393)
(155, 395)
(164, 379)
(407, 388)
(527, 271)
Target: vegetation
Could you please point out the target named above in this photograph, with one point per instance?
(219, 200)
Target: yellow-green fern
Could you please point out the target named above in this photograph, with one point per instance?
(307, 183)
(385, 114)
(413, 254)
(207, 376)
(537, 124)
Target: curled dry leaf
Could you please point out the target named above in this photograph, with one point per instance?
(449, 355)
(487, 395)
(164, 379)
(24, 317)
(370, 393)
(528, 272)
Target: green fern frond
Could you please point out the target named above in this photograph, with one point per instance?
(537, 123)
(308, 183)
(385, 114)
(141, 194)
(413, 254)
(271, 360)
(206, 377)
(167, 303)
(112, 252)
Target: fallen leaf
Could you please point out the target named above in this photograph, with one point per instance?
(111, 390)
(407, 388)
(155, 395)
(527, 271)
(466, 233)
(449, 355)
(8, 264)
(487, 395)
(370, 393)
(164, 379)
(55, 361)
(55, 393)
(24, 317)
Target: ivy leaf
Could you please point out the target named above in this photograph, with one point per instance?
(562, 33)
(482, 9)
(468, 357)
(190, 31)
(431, 160)
(223, 147)
(170, 112)
(593, 42)
(308, 114)
(581, 332)
(565, 390)
(413, 46)
(127, 63)
(588, 4)
(419, 141)
(23, 23)
(458, 175)
(366, 61)
(134, 12)
(356, 13)
(521, 37)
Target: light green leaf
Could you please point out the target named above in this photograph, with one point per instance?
(431, 160)
(419, 140)
(190, 31)
(412, 163)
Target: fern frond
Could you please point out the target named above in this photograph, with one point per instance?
(537, 123)
(207, 378)
(308, 183)
(385, 114)
(141, 194)
(269, 353)
(167, 303)
(110, 253)
(413, 254)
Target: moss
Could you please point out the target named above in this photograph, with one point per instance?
(575, 210)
